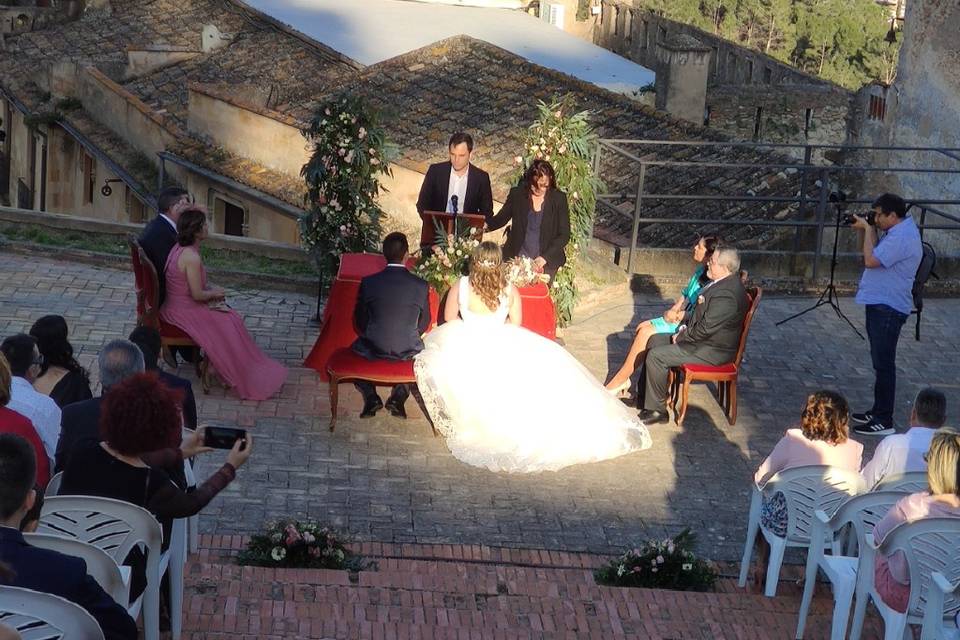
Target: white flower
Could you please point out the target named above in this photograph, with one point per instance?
(278, 553)
(362, 133)
(557, 113)
(686, 566)
(374, 162)
(326, 111)
(575, 195)
(349, 157)
(547, 158)
(459, 253)
(660, 560)
(621, 570)
(562, 149)
(654, 570)
(518, 159)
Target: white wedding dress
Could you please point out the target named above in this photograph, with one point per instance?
(508, 399)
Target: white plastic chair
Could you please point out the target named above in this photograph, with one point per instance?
(53, 487)
(193, 522)
(912, 482)
(113, 578)
(806, 489)
(930, 545)
(933, 618)
(862, 513)
(42, 615)
(116, 527)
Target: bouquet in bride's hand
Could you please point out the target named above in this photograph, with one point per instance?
(523, 272)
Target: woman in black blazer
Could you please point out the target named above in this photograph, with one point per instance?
(537, 206)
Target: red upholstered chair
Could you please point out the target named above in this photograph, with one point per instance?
(725, 375)
(148, 309)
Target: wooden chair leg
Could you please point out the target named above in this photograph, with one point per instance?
(334, 388)
(671, 389)
(203, 367)
(721, 395)
(732, 392)
(684, 394)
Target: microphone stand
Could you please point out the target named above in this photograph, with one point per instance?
(829, 295)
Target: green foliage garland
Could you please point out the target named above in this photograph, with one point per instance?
(660, 564)
(562, 136)
(350, 154)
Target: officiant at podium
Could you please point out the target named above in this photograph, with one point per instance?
(456, 186)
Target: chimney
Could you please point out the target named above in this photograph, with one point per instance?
(211, 39)
(682, 66)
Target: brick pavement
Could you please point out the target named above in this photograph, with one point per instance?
(388, 481)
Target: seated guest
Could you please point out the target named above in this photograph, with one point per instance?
(140, 425)
(61, 377)
(201, 311)
(6, 633)
(891, 574)
(670, 321)
(540, 217)
(41, 569)
(118, 360)
(13, 422)
(25, 363)
(160, 234)
(148, 340)
(822, 439)
(905, 452)
(709, 334)
(392, 312)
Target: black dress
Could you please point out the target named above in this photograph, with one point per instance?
(73, 387)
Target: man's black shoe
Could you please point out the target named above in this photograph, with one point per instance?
(396, 409)
(370, 407)
(861, 418)
(652, 416)
(874, 428)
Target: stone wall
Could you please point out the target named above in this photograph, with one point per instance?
(749, 95)
(921, 109)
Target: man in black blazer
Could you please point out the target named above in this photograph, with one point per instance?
(392, 312)
(148, 340)
(160, 234)
(41, 569)
(709, 335)
(456, 186)
(80, 421)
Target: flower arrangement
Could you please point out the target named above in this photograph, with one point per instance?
(562, 136)
(448, 259)
(660, 564)
(521, 272)
(303, 545)
(350, 154)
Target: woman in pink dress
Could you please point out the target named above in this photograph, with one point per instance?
(204, 315)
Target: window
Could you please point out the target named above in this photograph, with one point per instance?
(229, 216)
(749, 70)
(731, 66)
(807, 122)
(758, 123)
(767, 75)
(89, 178)
(644, 32)
(628, 27)
(706, 116)
(616, 21)
(136, 211)
(661, 34)
(877, 108)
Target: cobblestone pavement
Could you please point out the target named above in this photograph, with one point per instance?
(391, 481)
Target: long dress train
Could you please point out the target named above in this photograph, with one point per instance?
(508, 399)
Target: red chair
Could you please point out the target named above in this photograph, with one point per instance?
(148, 310)
(725, 375)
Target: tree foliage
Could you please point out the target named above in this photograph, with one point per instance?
(839, 40)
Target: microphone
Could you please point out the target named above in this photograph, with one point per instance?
(453, 203)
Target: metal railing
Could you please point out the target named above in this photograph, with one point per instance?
(822, 176)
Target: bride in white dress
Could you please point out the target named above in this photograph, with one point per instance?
(508, 399)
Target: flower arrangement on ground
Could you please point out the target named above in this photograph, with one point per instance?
(563, 137)
(303, 545)
(660, 564)
(522, 272)
(447, 260)
(350, 154)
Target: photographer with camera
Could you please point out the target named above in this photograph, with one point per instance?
(890, 265)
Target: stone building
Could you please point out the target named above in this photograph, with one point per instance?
(750, 96)
(99, 111)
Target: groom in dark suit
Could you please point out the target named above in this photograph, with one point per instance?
(160, 234)
(392, 312)
(709, 335)
(456, 186)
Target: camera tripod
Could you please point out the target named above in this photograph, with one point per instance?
(829, 295)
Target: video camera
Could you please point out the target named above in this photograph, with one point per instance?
(839, 200)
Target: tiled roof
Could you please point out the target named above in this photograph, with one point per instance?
(462, 83)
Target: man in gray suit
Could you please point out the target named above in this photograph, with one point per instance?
(710, 334)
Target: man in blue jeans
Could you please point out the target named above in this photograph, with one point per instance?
(885, 288)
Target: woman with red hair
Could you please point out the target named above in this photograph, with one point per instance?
(140, 427)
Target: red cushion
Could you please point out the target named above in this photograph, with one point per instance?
(172, 332)
(344, 363)
(709, 368)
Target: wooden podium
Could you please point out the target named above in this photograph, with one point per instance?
(432, 220)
